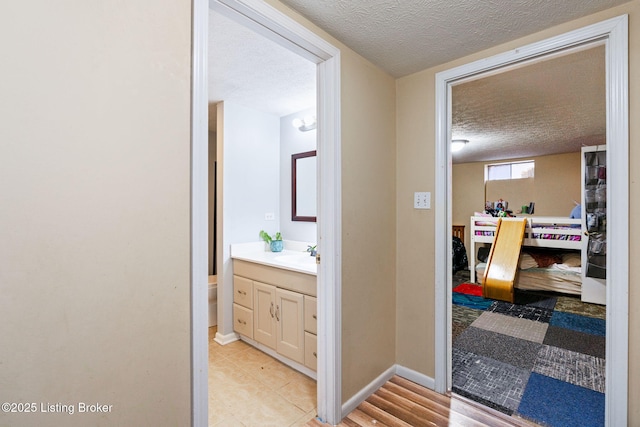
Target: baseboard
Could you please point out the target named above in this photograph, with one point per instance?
(416, 377)
(367, 391)
(225, 339)
(374, 385)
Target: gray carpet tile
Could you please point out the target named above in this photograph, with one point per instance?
(464, 315)
(576, 368)
(516, 327)
(488, 379)
(503, 348)
(580, 342)
(522, 311)
(574, 305)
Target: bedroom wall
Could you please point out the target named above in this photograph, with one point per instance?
(95, 220)
(415, 157)
(554, 188)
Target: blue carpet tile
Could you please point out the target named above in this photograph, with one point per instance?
(560, 404)
(578, 323)
(471, 301)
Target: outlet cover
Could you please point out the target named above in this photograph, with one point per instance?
(269, 216)
(422, 200)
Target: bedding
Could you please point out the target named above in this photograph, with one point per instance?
(556, 277)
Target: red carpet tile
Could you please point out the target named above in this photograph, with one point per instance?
(469, 289)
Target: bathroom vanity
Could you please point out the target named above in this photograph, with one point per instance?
(274, 303)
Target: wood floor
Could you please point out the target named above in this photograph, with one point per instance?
(403, 403)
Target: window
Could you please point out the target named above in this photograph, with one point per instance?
(513, 170)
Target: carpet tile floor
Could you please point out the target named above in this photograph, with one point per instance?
(542, 358)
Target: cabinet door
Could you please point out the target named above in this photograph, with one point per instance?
(264, 314)
(290, 324)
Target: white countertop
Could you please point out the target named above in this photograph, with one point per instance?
(293, 257)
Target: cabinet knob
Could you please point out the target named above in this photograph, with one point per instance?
(241, 292)
(315, 317)
(278, 313)
(271, 310)
(315, 354)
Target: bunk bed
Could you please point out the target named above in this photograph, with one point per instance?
(559, 270)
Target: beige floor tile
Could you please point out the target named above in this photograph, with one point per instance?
(301, 392)
(274, 374)
(269, 409)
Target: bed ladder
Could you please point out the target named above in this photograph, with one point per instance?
(502, 263)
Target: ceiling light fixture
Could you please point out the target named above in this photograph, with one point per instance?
(306, 124)
(458, 144)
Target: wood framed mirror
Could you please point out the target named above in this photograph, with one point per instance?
(303, 187)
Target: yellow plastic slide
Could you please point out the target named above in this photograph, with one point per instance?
(502, 264)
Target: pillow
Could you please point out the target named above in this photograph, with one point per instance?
(527, 261)
(572, 259)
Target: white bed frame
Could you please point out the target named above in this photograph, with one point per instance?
(542, 227)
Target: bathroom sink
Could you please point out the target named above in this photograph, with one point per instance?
(297, 259)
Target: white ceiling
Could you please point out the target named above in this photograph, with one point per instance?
(548, 107)
(247, 69)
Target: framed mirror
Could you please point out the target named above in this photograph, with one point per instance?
(303, 186)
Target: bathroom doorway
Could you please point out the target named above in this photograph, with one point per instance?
(326, 58)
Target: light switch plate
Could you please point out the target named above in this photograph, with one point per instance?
(422, 200)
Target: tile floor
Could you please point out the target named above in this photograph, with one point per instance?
(250, 388)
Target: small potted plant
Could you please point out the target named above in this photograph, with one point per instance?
(275, 242)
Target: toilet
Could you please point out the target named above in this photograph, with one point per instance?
(213, 300)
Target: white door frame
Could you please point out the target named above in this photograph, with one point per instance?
(283, 30)
(614, 33)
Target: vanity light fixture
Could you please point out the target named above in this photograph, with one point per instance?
(458, 144)
(306, 124)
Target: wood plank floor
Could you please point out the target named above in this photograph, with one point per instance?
(402, 403)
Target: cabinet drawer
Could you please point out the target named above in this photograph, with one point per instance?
(310, 314)
(243, 291)
(311, 351)
(243, 320)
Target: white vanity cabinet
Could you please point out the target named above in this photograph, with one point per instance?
(282, 309)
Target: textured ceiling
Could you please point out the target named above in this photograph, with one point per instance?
(548, 107)
(247, 69)
(403, 37)
(551, 106)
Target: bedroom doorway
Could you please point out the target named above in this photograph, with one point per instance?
(613, 33)
(504, 354)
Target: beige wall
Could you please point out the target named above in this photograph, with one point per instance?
(554, 188)
(94, 216)
(416, 150)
